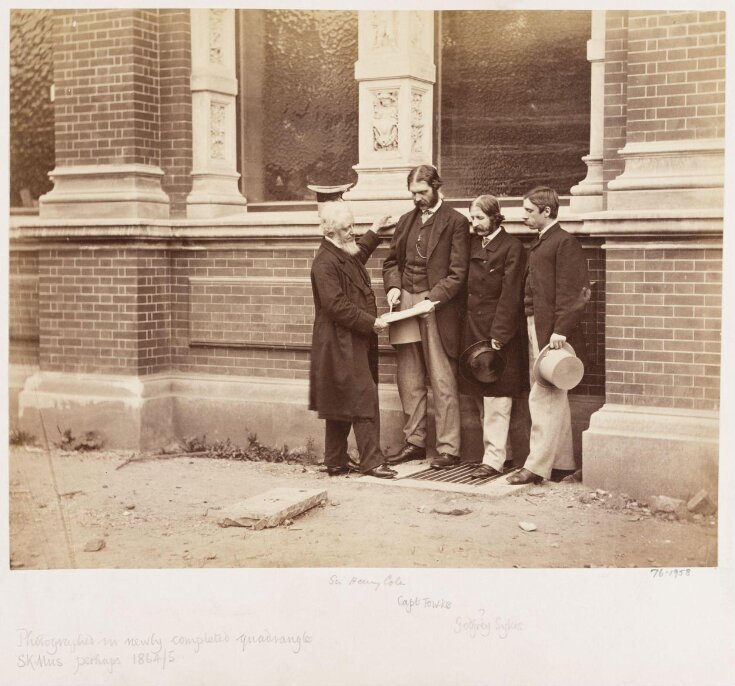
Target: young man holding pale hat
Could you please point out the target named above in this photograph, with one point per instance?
(557, 288)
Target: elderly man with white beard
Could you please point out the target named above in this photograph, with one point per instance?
(344, 348)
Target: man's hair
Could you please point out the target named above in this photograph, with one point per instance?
(334, 215)
(542, 197)
(427, 173)
(491, 207)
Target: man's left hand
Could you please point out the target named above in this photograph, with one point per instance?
(425, 307)
(557, 341)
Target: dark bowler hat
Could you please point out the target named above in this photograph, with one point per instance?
(329, 193)
(481, 363)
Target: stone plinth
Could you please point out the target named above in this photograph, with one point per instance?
(676, 175)
(119, 191)
(646, 451)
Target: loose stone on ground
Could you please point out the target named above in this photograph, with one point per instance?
(271, 508)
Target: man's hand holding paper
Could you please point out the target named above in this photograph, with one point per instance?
(420, 309)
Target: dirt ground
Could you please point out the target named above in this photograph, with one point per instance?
(163, 513)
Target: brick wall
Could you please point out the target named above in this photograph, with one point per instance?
(616, 86)
(676, 75)
(106, 87)
(231, 306)
(593, 323)
(175, 93)
(153, 323)
(246, 310)
(663, 326)
(104, 311)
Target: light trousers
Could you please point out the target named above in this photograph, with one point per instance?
(551, 421)
(495, 418)
(418, 363)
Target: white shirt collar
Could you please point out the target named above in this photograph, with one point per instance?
(546, 228)
(486, 239)
(432, 210)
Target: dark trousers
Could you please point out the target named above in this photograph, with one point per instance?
(367, 435)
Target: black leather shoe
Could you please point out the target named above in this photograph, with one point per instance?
(338, 470)
(444, 461)
(483, 471)
(352, 466)
(408, 452)
(524, 477)
(560, 474)
(382, 472)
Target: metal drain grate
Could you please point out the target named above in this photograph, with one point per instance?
(455, 475)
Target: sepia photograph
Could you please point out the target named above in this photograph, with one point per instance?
(356, 301)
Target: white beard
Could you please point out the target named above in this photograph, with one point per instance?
(350, 247)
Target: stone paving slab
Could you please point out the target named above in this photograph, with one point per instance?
(271, 508)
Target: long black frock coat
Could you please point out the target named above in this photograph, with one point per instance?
(495, 310)
(343, 374)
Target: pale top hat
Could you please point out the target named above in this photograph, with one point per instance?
(481, 362)
(558, 368)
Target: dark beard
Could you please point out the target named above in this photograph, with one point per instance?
(430, 202)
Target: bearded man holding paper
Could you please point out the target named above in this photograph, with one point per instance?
(427, 265)
(343, 372)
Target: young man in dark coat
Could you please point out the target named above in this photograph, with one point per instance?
(344, 348)
(427, 261)
(494, 315)
(557, 288)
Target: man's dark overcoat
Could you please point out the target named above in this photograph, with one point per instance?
(495, 310)
(559, 280)
(447, 263)
(344, 349)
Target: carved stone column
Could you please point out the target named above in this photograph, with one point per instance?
(213, 89)
(396, 75)
(587, 194)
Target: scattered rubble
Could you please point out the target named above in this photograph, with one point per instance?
(94, 545)
(527, 526)
(663, 503)
(70, 494)
(457, 511)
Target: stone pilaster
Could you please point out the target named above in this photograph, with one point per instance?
(657, 432)
(396, 75)
(587, 194)
(107, 112)
(213, 90)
